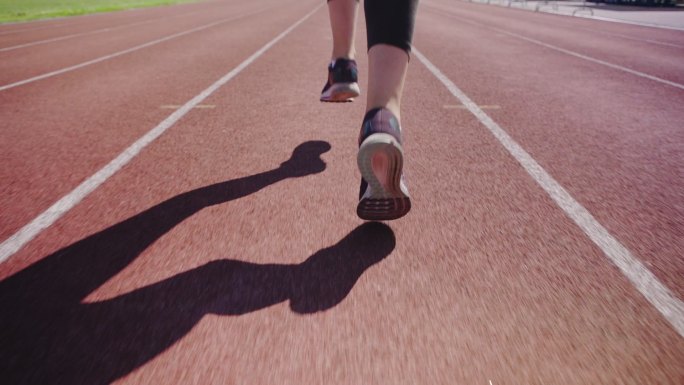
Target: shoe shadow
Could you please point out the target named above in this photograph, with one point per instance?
(49, 336)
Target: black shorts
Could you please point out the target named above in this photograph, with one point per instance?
(390, 22)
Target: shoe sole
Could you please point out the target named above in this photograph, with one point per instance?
(341, 93)
(389, 199)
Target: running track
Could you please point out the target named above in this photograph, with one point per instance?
(178, 208)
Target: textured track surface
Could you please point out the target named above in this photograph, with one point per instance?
(228, 250)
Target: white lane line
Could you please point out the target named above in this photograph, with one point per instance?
(129, 50)
(70, 21)
(175, 107)
(65, 37)
(14, 243)
(462, 107)
(12, 31)
(632, 22)
(633, 38)
(671, 307)
(592, 59)
(94, 32)
(566, 51)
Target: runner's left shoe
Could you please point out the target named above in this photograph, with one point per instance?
(342, 85)
(383, 194)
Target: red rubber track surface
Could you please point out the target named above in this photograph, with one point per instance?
(211, 258)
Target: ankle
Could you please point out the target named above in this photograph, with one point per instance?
(391, 107)
(343, 54)
(346, 57)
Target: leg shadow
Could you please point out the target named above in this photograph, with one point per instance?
(47, 340)
(48, 336)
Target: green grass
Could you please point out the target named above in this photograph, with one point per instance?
(21, 10)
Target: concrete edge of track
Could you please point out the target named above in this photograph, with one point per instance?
(582, 16)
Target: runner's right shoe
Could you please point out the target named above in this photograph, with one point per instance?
(342, 85)
(383, 194)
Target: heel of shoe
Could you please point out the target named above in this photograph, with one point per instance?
(341, 92)
(386, 196)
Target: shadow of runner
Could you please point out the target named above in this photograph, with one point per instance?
(48, 336)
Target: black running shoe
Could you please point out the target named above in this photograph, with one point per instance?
(342, 85)
(383, 194)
